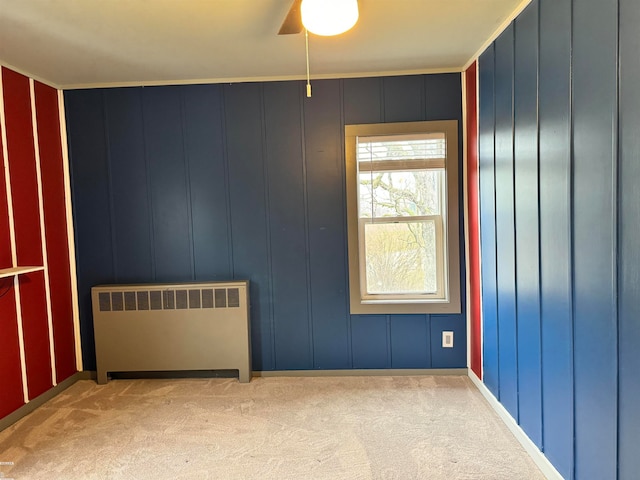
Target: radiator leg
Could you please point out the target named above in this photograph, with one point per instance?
(101, 377)
(244, 376)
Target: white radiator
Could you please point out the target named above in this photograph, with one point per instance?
(168, 327)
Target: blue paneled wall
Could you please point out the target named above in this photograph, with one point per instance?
(560, 209)
(216, 182)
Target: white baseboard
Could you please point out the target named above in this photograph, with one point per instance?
(531, 448)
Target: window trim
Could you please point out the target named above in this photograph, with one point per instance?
(452, 267)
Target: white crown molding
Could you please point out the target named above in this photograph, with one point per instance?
(503, 26)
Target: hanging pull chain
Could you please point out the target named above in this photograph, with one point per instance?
(306, 40)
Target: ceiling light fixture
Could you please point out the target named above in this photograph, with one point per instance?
(329, 17)
(326, 18)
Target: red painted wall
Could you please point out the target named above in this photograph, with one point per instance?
(11, 397)
(26, 218)
(36, 333)
(22, 167)
(5, 239)
(25, 209)
(473, 218)
(55, 216)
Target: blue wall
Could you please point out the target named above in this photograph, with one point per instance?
(216, 182)
(560, 208)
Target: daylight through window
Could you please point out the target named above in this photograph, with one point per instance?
(402, 187)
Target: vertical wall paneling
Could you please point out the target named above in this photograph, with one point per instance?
(6, 247)
(164, 139)
(57, 240)
(22, 167)
(473, 220)
(204, 145)
(505, 218)
(37, 340)
(554, 106)
(11, 393)
(323, 132)
(594, 227)
(21, 343)
(132, 238)
(410, 347)
(404, 98)
(243, 117)
(32, 309)
(12, 372)
(244, 181)
(287, 225)
(455, 357)
(486, 162)
(6, 244)
(527, 222)
(369, 337)
(577, 289)
(629, 233)
(442, 97)
(12, 308)
(363, 100)
(86, 130)
(45, 258)
(443, 100)
(71, 245)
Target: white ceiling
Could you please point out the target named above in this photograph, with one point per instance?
(83, 43)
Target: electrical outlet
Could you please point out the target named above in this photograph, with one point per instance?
(447, 339)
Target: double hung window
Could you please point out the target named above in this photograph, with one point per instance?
(402, 213)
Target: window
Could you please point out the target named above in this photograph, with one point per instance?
(402, 210)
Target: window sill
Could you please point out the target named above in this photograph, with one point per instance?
(386, 307)
(393, 301)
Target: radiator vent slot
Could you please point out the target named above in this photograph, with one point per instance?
(156, 299)
(181, 299)
(233, 295)
(143, 300)
(104, 299)
(116, 301)
(221, 298)
(194, 298)
(207, 298)
(169, 302)
(129, 301)
(169, 299)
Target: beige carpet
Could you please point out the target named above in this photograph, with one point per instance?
(273, 428)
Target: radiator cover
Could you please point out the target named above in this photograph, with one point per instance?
(169, 327)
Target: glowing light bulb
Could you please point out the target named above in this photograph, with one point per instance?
(329, 17)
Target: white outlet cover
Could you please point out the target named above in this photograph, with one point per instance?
(447, 339)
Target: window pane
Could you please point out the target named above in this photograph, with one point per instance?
(402, 147)
(400, 193)
(400, 257)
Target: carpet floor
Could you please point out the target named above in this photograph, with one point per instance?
(404, 428)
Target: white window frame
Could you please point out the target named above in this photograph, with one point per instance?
(447, 299)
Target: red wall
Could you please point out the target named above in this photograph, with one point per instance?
(41, 307)
(55, 221)
(10, 377)
(473, 218)
(26, 219)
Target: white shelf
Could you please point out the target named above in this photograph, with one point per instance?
(10, 272)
